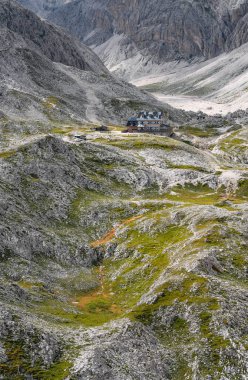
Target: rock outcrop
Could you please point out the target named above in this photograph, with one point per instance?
(45, 39)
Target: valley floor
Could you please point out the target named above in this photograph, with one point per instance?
(215, 86)
(197, 104)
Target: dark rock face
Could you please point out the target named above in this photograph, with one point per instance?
(165, 30)
(46, 39)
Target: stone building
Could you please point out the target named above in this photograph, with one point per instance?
(149, 122)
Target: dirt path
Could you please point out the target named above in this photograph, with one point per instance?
(103, 292)
(112, 233)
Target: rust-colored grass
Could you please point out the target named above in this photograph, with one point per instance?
(111, 234)
(100, 298)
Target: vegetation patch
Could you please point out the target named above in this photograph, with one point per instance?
(7, 154)
(204, 132)
(19, 364)
(243, 189)
(198, 194)
(50, 102)
(144, 142)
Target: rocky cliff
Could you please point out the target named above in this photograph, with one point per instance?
(45, 39)
(157, 31)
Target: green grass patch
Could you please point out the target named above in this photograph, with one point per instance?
(136, 275)
(7, 154)
(61, 130)
(50, 102)
(20, 365)
(215, 342)
(154, 243)
(199, 194)
(243, 189)
(191, 289)
(95, 314)
(84, 198)
(144, 142)
(188, 167)
(29, 285)
(204, 132)
(57, 371)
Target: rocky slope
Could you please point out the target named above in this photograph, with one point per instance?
(154, 32)
(32, 33)
(125, 256)
(214, 86)
(190, 46)
(47, 76)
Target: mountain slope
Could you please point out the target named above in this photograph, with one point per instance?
(157, 31)
(43, 7)
(214, 86)
(46, 75)
(122, 256)
(141, 238)
(46, 39)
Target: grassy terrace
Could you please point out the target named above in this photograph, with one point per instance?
(141, 142)
(235, 140)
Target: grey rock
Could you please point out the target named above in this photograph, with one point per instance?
(45, 39)
(46, 75)
(3, 356)
(175, 262)
(131, 352)
(159, 30)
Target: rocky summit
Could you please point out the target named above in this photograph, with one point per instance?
(123, 256)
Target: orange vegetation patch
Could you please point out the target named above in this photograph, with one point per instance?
(91, 297)
(111, 234)
(105, 239)
(99, 300)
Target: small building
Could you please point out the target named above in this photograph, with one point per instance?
(80, 137)
(102, 128)
(149, 122)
